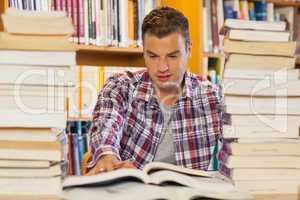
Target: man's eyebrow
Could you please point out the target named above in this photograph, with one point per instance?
(150, 52)
(174, 52)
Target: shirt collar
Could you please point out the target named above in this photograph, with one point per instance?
(144, 90)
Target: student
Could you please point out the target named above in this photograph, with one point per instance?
(162, 114)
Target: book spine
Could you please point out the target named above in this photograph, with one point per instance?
(75, 17)
(86, 22)
(76, 159)
(64, 5)
(58, 5)
(251, 10)
(98, 22)
(260, 10)
(94, 22)
(81, 21)
(214, 26)
(90, 21)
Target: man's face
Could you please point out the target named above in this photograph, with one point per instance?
(166, 60)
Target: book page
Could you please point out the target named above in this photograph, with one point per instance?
(105, 178)
(207, 184)
(156, 166)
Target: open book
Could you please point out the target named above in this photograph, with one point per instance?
(158, 173)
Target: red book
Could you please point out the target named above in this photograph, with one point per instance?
(80, 18)
(214, 26)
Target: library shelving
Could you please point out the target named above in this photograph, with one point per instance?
(105, 56)
(291, 13)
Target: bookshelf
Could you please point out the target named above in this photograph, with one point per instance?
(207, 55)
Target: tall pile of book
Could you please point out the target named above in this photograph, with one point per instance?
(36, 70)
(260, 152)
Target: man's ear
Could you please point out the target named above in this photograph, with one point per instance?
(189, 49)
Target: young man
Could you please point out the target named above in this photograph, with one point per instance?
(162, 114)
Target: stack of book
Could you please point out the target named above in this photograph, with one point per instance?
(36, 72)
(262, 96)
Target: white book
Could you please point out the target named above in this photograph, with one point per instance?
(123, 23)
(258, 74)
(49, 58)
(158, 173)
(259, 174)
(29, 150)
(262, 162)
(262, 105)
(29, 134)
(237, 61)
(30, 172)
(263, 36)
(255, 25)
(262, 126)
(34, 90)
(24, 163)
(33, 104)
(269, 187)
(263, 87)
(17, 118)
(30, 186)
(37, 75)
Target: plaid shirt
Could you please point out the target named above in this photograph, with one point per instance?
(127, 121)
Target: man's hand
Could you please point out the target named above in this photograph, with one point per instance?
(108, 163)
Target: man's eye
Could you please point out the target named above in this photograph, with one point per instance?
(173, 56)
(153, 56)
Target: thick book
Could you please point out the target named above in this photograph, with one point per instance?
(269, 186)
(30, 186)
(255, 25)
(262, 147)
(259, 62)
(35, 90)
(245, 161)
(29, 42)
(260, 48)
(258, 36)
(33, 118)
(254, 104)
(51, 171)
(263, 87)
(33, 104)
(28, 150)
(48, 58)
(155, 172)
(262, 126)
(37, 75)
(37, 22)
(28, 134)
(258, 174)
(6, 163)
(261, 74)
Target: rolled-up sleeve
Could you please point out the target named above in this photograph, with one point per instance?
(107, 124)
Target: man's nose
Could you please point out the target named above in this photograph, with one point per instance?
(163, 65)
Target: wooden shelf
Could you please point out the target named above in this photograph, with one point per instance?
(109, 56)
(285, 3)
(212, 55)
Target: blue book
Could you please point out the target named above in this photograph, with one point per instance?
(76, 160)
(260, 8)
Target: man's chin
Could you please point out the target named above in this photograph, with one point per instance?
(168, 86)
